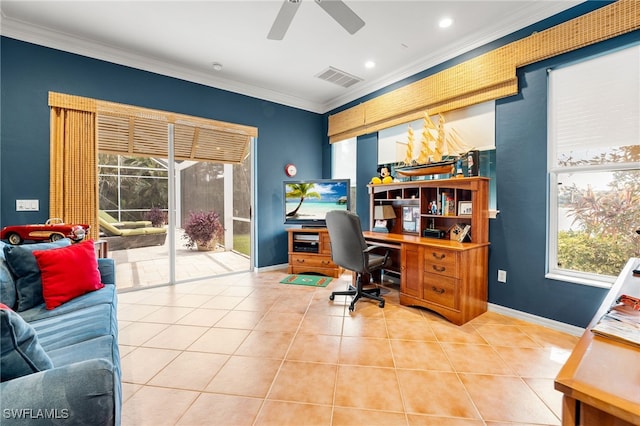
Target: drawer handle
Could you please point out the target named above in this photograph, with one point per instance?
(438, 268)
(300, 260)
(439, 256)
(325, 262)
(437, 290)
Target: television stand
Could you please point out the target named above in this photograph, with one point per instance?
(310, 252)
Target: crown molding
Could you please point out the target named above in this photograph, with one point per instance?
(57, 40)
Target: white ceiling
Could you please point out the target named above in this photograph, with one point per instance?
(184, 38)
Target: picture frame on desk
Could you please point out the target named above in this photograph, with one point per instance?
(465, 208)
(410, 219)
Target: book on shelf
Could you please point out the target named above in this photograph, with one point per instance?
(621, 323)
(448, 205)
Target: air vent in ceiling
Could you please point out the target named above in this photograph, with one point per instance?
(341, 78)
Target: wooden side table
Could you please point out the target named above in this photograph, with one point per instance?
(102, 248)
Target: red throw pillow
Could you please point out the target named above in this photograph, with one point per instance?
(68, 272)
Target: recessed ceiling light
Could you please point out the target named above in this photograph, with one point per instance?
(369, 64)
(217, 66)
(445, 22)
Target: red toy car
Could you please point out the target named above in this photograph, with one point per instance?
(53, 230)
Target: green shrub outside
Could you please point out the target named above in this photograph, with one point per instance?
(606, 255)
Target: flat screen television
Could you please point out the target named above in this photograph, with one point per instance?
(307, 202)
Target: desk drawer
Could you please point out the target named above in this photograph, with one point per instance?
(329, 272)
(311, 260)
(442, 262)
(441, 290)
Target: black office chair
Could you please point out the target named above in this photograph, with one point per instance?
(350, 251)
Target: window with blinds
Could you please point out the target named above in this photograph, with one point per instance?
(594, 167)
(594, 109)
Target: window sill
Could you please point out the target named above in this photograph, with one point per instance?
(602, 283)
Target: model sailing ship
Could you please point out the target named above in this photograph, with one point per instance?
(438, 152)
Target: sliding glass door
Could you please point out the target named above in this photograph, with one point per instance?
(154, 239)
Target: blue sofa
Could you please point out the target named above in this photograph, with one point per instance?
(79, 379)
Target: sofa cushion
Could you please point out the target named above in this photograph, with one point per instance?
(68, 272)
(20, 351)
(82, 393)
(104, 347)
(22, 264)
(106, 295)
(76, 326)
(8, 294)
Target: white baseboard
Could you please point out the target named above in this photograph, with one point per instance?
(546, 322)
(272, 267)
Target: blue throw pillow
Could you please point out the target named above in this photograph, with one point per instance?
(20, 352)
(8, 294)
(22, 264)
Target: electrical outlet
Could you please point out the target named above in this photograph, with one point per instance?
(502, 276)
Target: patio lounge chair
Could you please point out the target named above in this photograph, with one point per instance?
(123, 225)
(120, 239)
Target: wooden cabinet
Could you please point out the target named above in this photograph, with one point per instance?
(440, 204)
(440, 274)
(410, 271)
(310, 252)
(450, 278)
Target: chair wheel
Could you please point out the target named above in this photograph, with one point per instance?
(381, 304)
(332, 296)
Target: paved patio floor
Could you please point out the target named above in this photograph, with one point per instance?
(149, 266)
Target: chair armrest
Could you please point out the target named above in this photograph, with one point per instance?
(79, 393)
(386, 253)
(369, 248)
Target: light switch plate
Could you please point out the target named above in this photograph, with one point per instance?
(27, 205)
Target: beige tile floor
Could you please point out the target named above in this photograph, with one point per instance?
(245, 350)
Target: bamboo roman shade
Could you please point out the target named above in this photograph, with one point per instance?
(73, 188)
(486, 77)
(125, 130)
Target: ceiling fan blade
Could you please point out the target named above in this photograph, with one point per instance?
(283, 20)
(339, 11)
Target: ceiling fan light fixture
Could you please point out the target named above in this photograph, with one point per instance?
(337, 9)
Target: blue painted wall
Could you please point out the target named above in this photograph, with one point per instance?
(28, 72)
(366, 168)
(518, 235)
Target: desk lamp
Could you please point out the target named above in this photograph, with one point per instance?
(382, 215)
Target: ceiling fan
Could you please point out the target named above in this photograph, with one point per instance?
(337, 9)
